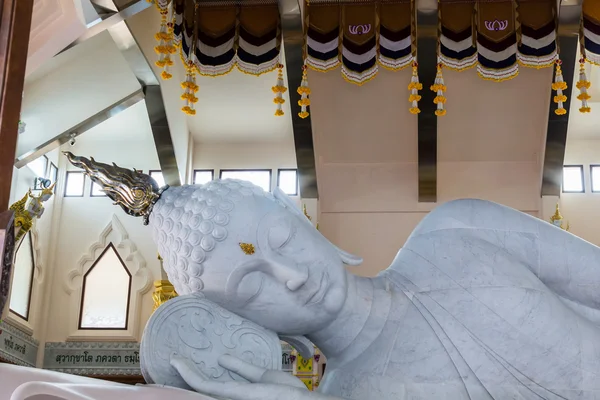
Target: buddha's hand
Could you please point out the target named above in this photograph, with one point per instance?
(265, 384)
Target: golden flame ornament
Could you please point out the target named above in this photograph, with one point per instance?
(247, 248)
(279, 89)
(304, 92)
(559, 85)
(439, 88)
(414, 86)
(583, 85)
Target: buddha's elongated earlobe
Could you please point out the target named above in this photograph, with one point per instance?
(347, 258)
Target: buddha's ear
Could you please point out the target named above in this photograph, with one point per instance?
(347, 258)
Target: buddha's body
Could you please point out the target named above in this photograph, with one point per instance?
(482, 302)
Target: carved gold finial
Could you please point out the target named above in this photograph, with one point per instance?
(305, 213)
(163, 292)
(247, 248)
(557, 219)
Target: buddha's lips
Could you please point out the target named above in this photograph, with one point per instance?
(321, 291)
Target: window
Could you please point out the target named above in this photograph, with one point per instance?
(52, 173)
(595, 178)
(20, 296)
(39, 166)
(573, 179)
(74, 184)
(202, 176)
(96, 190)
(106, 291)
(287, 181)
(158, 177)
(260, 177)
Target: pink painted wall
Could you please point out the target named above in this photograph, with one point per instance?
(489, 146)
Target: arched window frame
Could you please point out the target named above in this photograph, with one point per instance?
(29, 238)
(83, 286)
(72, 284)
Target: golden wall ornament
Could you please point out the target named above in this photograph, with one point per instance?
(163, 292)
(557, 220)
(28, 209)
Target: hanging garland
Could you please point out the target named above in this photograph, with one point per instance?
(213, 38)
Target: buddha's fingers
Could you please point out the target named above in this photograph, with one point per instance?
(256, 374)
(246, 370)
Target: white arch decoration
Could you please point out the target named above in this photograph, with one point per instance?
(141, 283)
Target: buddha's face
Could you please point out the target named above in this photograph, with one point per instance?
(293, 283)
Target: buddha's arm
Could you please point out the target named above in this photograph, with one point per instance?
(266, 384)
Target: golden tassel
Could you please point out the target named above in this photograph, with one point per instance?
(439, 88)
(279, 89)
(583, 85)
(414, 86)
(304, 92)
(189, 91)
(559, 85)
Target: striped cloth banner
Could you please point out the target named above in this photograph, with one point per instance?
(537, 18)
(591, 30)
(323, 37)
(496, 41)
(457, 45)
(359, 43)
(396, 41)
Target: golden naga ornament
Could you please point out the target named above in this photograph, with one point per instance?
(135, 192)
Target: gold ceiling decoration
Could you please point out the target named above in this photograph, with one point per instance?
(361, 36)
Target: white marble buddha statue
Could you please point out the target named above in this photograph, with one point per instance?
(482, 302)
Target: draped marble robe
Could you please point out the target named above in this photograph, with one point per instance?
(483, 302)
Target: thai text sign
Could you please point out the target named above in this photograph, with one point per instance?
(93, 358)
(16, 346)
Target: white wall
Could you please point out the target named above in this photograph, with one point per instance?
(127, 141)
(144, 25)
(81, 84)
(41, 234)
(582, 210)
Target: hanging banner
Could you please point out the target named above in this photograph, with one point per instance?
(359, 43)
(323, 37)
(457, 47)
(537, 18)
(259, 38)
(496, 41)
(216, 47)
(396, 39)
(591, 30)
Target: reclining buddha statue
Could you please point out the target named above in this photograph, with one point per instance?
(481, 302)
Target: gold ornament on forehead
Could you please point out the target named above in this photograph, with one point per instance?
(135, 192)
(247, 248)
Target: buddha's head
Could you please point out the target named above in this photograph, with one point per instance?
(252, 252)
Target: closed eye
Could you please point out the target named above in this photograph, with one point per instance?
(281, 235)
